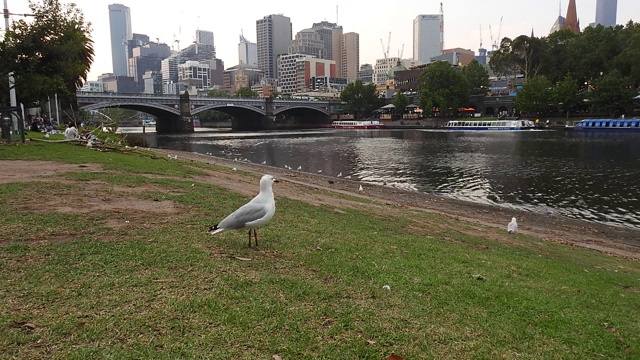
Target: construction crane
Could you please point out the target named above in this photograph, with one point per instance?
(385, 52)
(401, 52)
(495, 45)
(480, 36)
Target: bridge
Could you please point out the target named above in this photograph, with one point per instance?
(175, 113)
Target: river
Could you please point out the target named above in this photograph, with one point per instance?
(589, 176)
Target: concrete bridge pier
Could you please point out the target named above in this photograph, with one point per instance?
(177, 124)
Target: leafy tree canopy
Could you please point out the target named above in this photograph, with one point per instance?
(360, 99)
(536, 96)
(50, 54)
(443, 87)
(477, 78)
(246, 92)
(400, 102)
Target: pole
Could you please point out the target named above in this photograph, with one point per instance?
(49, 103)
(12, 97)
(6, 16)
(57, 111)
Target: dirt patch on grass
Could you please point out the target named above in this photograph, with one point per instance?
(474, 220)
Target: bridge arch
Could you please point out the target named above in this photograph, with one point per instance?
(229, 109)
(149, 108)
(288, 108)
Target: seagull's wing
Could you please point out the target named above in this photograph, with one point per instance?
(249, 212)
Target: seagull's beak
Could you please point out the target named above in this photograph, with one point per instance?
(275, 180)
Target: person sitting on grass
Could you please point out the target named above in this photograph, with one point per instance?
(71, 133)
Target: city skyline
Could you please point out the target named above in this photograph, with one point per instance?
(463, 20)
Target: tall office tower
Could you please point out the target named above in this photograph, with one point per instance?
(204, 37)
(606, 11)
(571, 21)
(428, 38)
(325, 30)
(274, 34)
(350, 56)
(308, 42)
(121, 33)
(336, 48)
(247, 52)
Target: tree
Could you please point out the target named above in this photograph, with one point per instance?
(360, 99)
(400, 102)
(477, 77)
(51, 54)
(246, 92)
(566, 94)
(612, 93)
(527, 56)
(535, 96)
(443, 87)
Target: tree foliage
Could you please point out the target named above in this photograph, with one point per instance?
(400, 102)
(360, 99)
(477, 78)
(612, 93)
(443, 87)
(246, 92)
(218, 94)
(566, 95)
(536, 96)
(50, 54)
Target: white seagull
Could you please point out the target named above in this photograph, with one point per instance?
(513, 226)
(340, 174)
(253, 214)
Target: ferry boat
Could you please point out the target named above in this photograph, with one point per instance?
(357, 124)
(490, 125)
(623, 125)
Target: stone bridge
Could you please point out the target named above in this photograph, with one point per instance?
(175, 113)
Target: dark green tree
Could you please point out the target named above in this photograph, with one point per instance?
(536, 96)
(612, 93)
(360, 99)
(442, 86)
(400, 102)
(477, 77)
(566, 95)
(527, 55)
(51, 54)
(246, 92)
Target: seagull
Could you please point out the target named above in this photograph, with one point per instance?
(299, 167)
(348, 177)
(253, 214)
(513, 226)
(340, 174)
(264, 162)
(319, 171)
(172, 157)
(360, 188)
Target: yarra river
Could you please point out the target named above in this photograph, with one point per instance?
(589, 176)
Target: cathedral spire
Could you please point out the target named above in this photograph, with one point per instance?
(571, 22)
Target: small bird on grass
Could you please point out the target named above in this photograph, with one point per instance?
(253, 214)
(513, 226)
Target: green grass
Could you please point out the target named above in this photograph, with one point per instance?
(312, 291)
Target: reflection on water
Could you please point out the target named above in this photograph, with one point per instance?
(588, 176)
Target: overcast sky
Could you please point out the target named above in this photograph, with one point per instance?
(373, 20)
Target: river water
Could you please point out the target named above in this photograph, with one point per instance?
(589, 176)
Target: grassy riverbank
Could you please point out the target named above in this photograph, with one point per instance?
(104, 255)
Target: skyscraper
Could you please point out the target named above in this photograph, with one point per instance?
(247, 52)
(121, 33)
(325, 30)
(428, 37)
(204, 37)
(274, 34)
(606, 11)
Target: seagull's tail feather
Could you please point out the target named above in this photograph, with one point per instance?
(214, 229)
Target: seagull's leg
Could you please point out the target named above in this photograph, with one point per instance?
(255, 236)
(249, 237)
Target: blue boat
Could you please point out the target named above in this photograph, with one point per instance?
(509, 125)
(624, 125)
